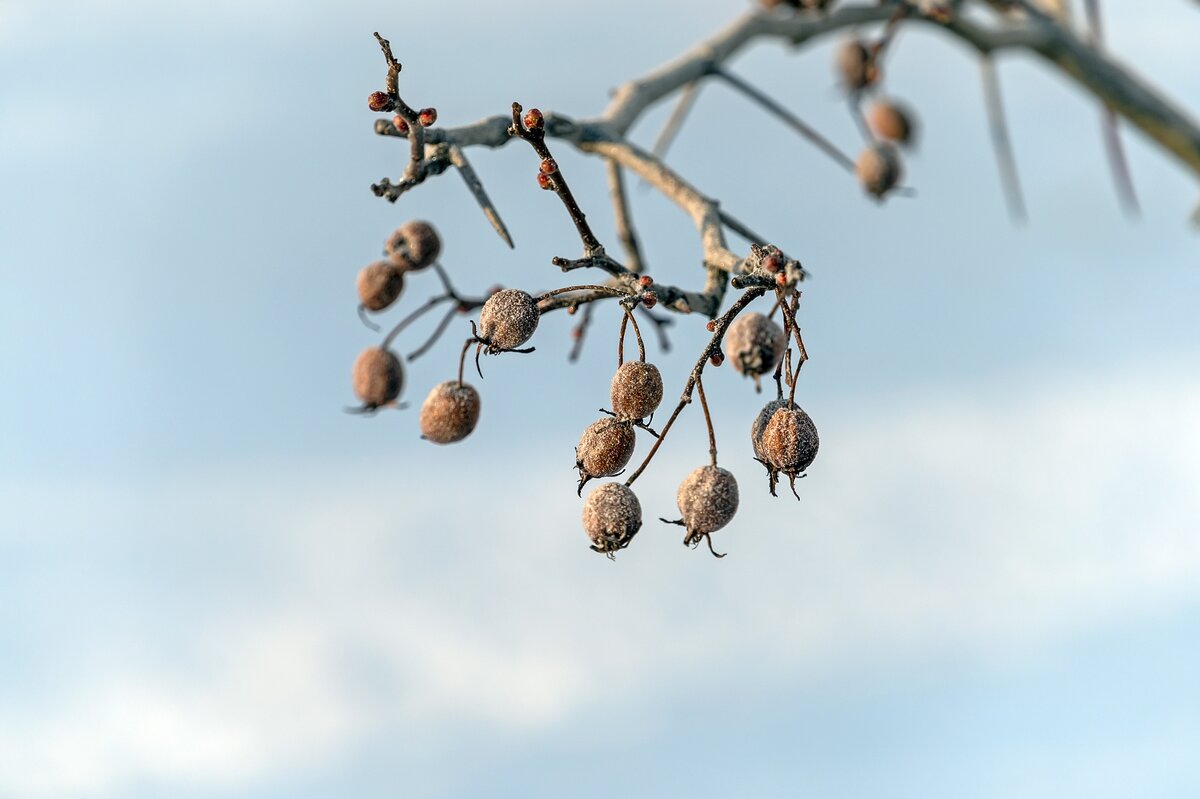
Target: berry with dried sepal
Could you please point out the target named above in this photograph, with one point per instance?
(612, 516)
(427, 117)
(755, 345)
(637, 389)
(856, 68)
(604, 449)
(414, 245)
(379, 284)
(377, 378)
(380, 101)
(708, 500)
(879, 169)
(790, 443)
(450, 412)
(891, 121)
(508, 319)
(534, 120)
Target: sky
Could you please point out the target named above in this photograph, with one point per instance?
(214, 583)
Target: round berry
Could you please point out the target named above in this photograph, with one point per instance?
(755, 345)
(855, 66)
(415, 245)
(377, 377)
(427, 117)
(879, 169)
(604, 449)
(450, 412)
(612, 516)
(534, 120)
(379, 284)
(717, 359)
(892, 122)
(707, 499)
(637, 389)
(790, 440)
(508, 319)
(380, 101)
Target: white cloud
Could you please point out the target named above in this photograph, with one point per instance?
(374, 597)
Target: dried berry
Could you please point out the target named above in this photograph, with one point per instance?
(427, 116)
(707, 499)
(604, 449)
(790, 443)
(415, 245)
(377, 377)
(379, 284)
(759, 427)
(855, 66)
(380, 101)
(508, 319)
(755, 345)
(637, 389)
(879, 169)
(534, 119)
(450, 412)
(892, 122)
(612, 516)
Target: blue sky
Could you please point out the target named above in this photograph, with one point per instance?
(215, 584)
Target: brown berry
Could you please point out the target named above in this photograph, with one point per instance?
(636, 391)
(508, 319)
(548, 166)
(755, 344)
(379, 284)
(380, 101)
(534, 120)
(717, 359)
(400, 123)
(450, 412)
(879, 169)
(892, 122)
(604, 449)
(377, 377)
(414, 245)
(707, 499)
(427, 117)
(612, 516)
(790, 443)
(855, 66)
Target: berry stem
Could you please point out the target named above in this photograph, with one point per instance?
(712, 436)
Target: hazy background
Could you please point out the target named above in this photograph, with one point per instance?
(213, 583)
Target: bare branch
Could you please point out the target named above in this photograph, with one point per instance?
(998, 127)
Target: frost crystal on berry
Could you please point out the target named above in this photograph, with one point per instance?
(508, 319)
(637, 389)
(612, 516)
(450, 412)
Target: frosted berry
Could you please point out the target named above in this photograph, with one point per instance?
(790, 443)
(891, 122)
(427, 117)
(449, 413)
(760, 425)
(508, 319)
(612, 516)
(380, 101)
(414, 245)
(604, 449)
(377, 377)
(379, 284)
(637, 389)
(708, 500)
(755, 345)
(855, 67)
(879, 169)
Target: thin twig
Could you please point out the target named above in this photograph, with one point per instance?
(477, 191)
(579, 332)
(622, 216)
(674, 123)
(712, 435)
(998, 127)
(1117, 163)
